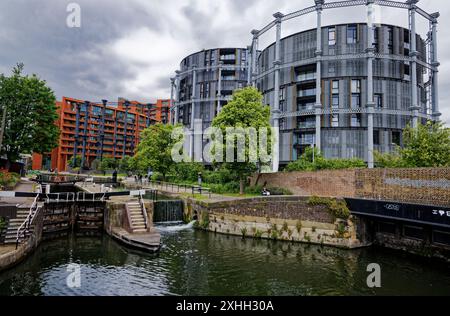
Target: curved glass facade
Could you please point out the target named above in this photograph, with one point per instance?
(344, 84)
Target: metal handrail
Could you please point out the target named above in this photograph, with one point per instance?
(27, 223)
(144, 210)
(186, 187)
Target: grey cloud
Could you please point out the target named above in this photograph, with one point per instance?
(80, 63)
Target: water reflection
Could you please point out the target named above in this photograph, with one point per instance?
(199, 263)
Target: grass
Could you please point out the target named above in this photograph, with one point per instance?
(199, 197)
(240, 196)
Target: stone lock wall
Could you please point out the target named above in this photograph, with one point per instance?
(289, 219)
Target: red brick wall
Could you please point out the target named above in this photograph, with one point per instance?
(329, 183)
(422, 186)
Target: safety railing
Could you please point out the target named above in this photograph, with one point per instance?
(178, 188)
(144, 210)
(25, 227)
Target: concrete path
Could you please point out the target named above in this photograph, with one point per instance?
(175, 190)
(25, 185)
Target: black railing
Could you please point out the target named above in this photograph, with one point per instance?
(179, 188)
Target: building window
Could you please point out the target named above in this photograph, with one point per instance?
(356, 86)
(356, 101)
(335, 87)
(378, 100)
(331, 36)
(356, 120)
(396, 138)
(376, 138)
(390, 40)
(352, 34)
(376, 39)
(283, 94)
(356, 94)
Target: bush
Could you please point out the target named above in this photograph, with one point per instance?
(232, 187)
(8, 179)
(338, 208)
(312, 160)
(2, 224)
(186, 171)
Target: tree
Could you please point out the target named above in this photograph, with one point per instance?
(426, 146)
(155, 149)
(75, 162)
(245, 110)
(29, 114)
(108, 163)
(127, 164)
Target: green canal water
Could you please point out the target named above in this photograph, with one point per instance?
(199, 263)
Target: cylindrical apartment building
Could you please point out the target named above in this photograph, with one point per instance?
(204, 84)
(347, 89)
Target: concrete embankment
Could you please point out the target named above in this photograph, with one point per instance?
(276, 218)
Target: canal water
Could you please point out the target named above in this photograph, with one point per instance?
(198, 263)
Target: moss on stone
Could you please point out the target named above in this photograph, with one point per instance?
(337, 208)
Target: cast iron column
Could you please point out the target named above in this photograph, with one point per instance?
(276, 104)
(370, 103)
(318, 105)
(436, 64)
(413, 54)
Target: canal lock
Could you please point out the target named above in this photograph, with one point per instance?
(82, 218)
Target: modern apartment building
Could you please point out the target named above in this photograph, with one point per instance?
(204, 84)
(102, 134)
(347, 89)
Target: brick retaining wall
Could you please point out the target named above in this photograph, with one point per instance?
(422, 186)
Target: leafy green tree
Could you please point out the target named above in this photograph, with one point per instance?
(427, 146)
(245, 110)
(128, 164)
(155, 149)
(108, 163)
(74, 162)
(29, 114)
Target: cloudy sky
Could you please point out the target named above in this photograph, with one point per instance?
(131, 48)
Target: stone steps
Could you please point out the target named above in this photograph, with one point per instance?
(137, 217)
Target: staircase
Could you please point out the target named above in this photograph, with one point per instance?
(14, 225)
(136, 217)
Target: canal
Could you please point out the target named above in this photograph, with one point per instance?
(199, 263)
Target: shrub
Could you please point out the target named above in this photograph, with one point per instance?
(8, 179)
(338, 208)
(258, 234)
(186, 171)
(312, 160)
(204, 224)
(341, 230)
(2, 224)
